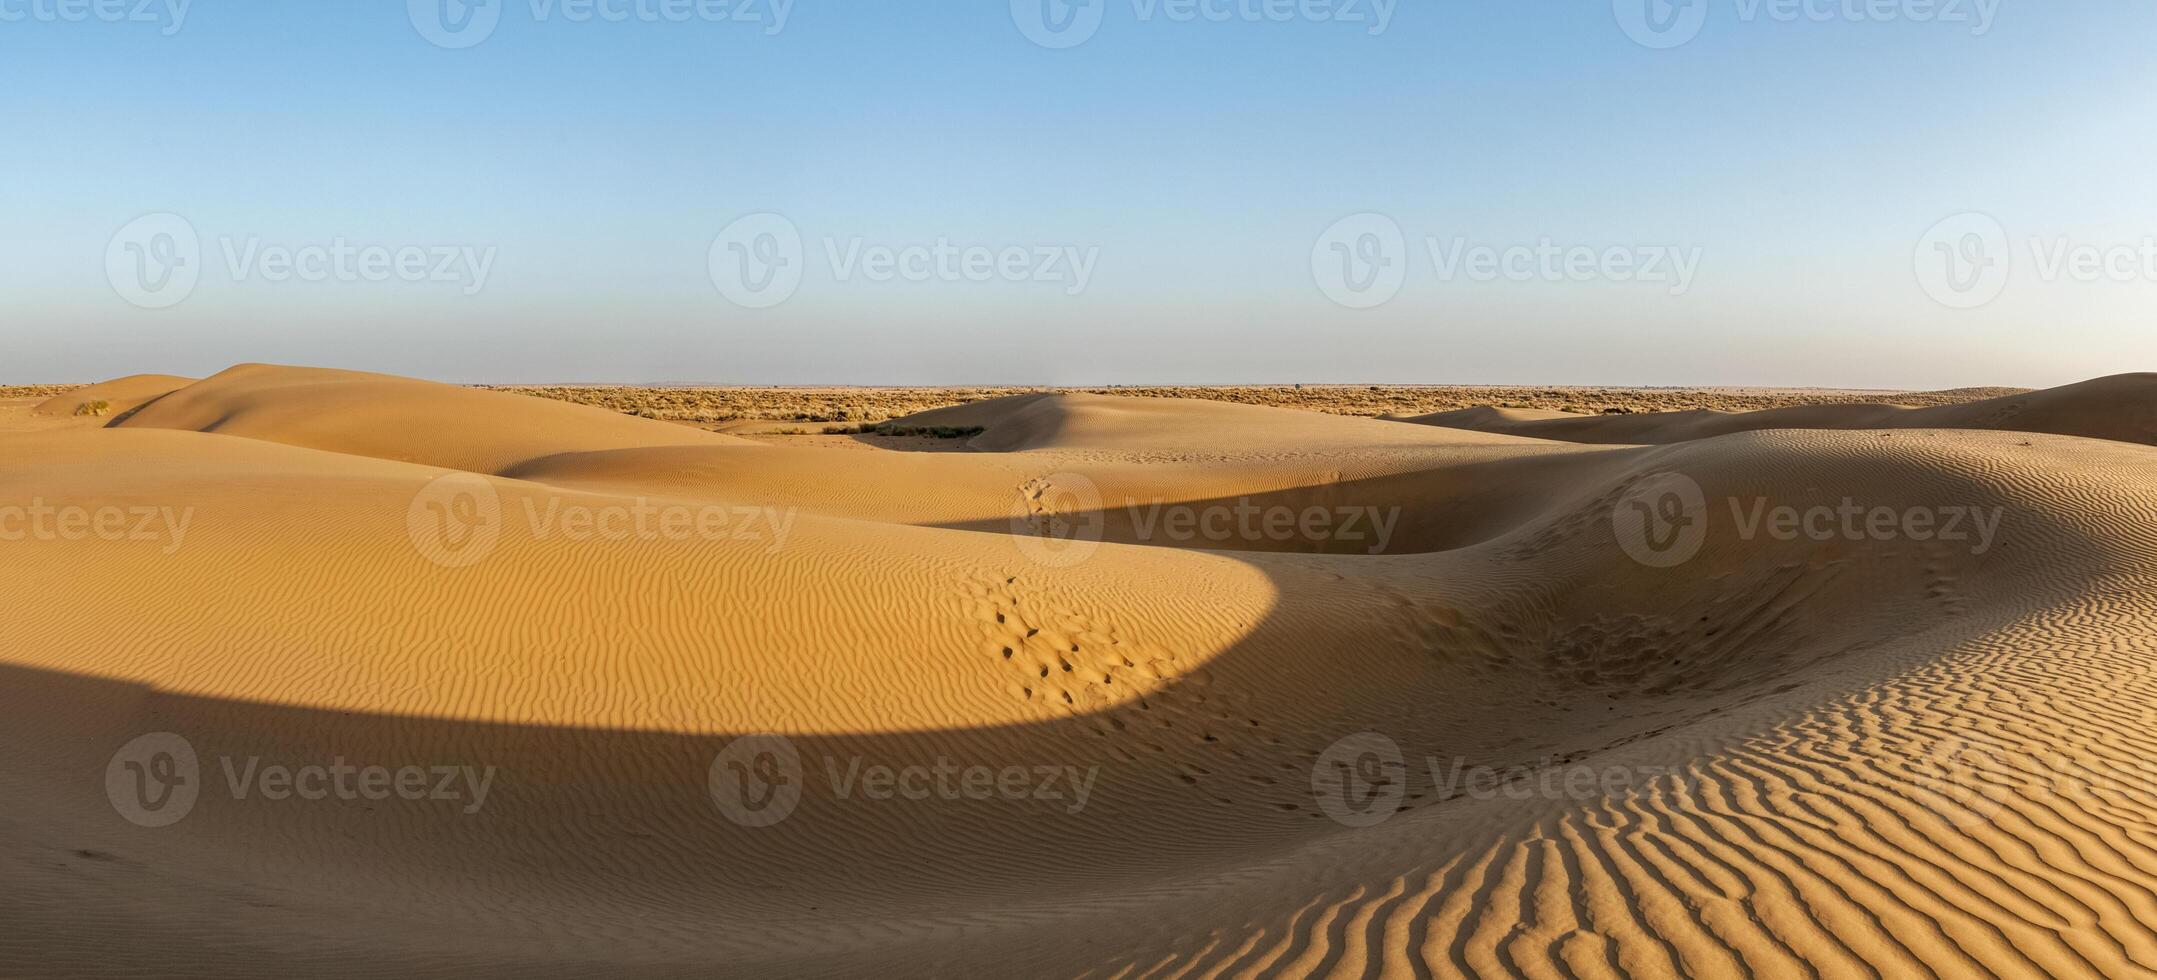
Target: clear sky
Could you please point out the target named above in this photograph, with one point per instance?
(568, 190)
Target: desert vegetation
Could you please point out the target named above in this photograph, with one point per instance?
(35, 391)
(867, 406)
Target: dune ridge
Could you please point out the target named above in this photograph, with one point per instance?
(2122, 407)
(120, 395)
(1858, 755)
(387, 417)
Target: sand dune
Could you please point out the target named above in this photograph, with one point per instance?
(1278, 750)
(399, 419)
(119, 395)
(2122, 408)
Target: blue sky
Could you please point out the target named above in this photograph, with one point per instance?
(1804, 162)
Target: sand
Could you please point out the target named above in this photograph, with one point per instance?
(1724, 750)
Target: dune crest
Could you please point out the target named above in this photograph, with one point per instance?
(2121, 408)
(119, 395)
(387, 417)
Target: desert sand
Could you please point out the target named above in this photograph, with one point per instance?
(1688, 744)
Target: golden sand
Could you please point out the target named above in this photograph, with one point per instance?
(1285, 692)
